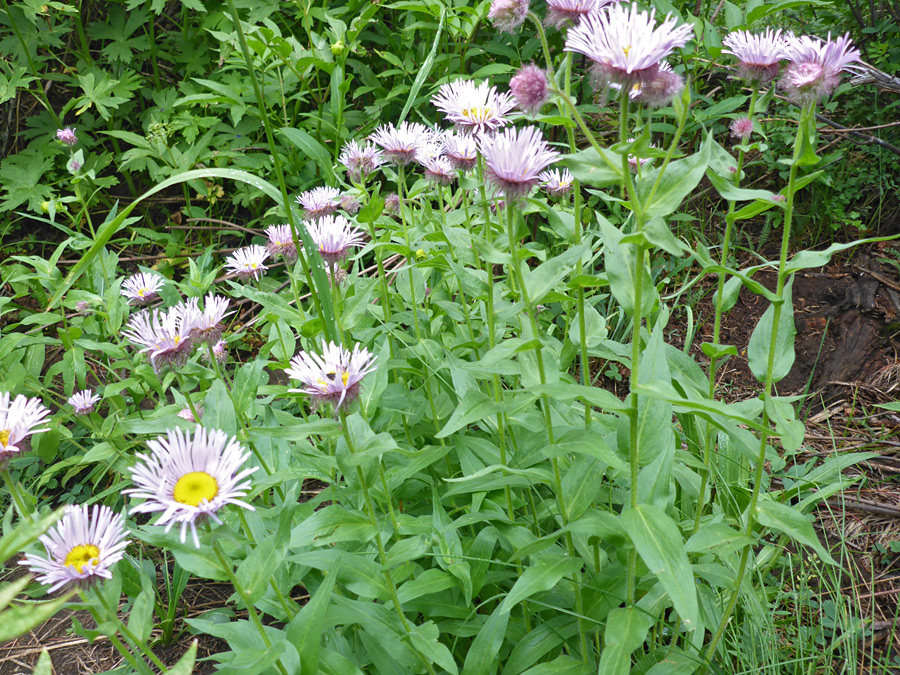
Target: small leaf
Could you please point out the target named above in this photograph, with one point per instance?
(761, 340)
(786, 519)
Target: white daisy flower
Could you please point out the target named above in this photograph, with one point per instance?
(281, 241)
(334, 235)
(247, 263)
(401, 143)
(83, 401)
(473, 108)
(189, 476)
(166, 337)
(142, 287)
(334, 376)
(18, 419)
(319, 202)
(81, 548)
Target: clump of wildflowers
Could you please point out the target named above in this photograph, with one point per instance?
(189, 477)
(81, 548)
(530, 88)
(83, 401)
(514, 160)
(334, 376)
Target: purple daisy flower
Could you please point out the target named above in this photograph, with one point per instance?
(281, 241)
(625, 44)
(67, 136)
(207, 325)
(247, 263)
(18, 419)
(164, 336)
(514, 160)
(556, 183)
(508, 15)
(83, 401)
(815, 66)
(401, 143)
(473, 108)
(190, 476)
(334, 376)
(460, 149)
(319, 202)
(529, 87)
(439, 170)
(360, 160)
(563, 12)
(142, 287)
(759, 55)
(334, 235)
(741, 128)
(81, 548)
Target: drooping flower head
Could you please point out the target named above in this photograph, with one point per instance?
(563, 12)
(166, 337)
(81, 548)
(281, 242)
(508, 15)
(461, 150)
(473, 108)
(67, 136)
(83, 401)
(392, 203)
(360, 160)
(514, 160)
(759, 55)
(334, 236)
(625, 44)
(247, 263)
(18, 419)
(529, 88)
(319, 202)
(556, 183)
(741, 128)
(815, 66)
(400, 143)
(189, 476)
(334, 376)
(142, 287)
(207, 325)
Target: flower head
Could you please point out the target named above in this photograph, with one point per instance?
(529, 87)
(556, 182)
(189, 476)
(281, 242)
(207, 325)
(67, 136)
(815, 66)
(220, 351)
(508, 15)
(562, 12)
(83, 401)
(166, 337)
(319, 202)
(247, 263)
(625, 44)
(401, 143)
(392, 203)
(334, 376)
(473, 108)
(81, 548)
(741, 128)
(334, 236)
(18, 419)
(350, 204)
(142, 287)
(461, 150)
(660, 89)
(188, 414)
(360, 160)
(514, 160)
(759, 55)
(439, 170)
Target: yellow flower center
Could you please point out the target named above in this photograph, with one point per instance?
(344, 377)
(192, 488)
(78, 557)
(626, 49)
(4, 437)
(177, 340)
(253, 266)
(475, 112)
(141, 292)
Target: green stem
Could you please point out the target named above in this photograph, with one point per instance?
(130, 637)
(806, 117)
(382, 554)
(285, 605)
(24, 511)
(251, 610)
(543, 36)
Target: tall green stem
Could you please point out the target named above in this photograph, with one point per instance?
(806, 120)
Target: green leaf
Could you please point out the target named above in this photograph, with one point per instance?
(620, 263)
(760, 341)
(140, 618)
(592, 168)
(312, 149)
(547, 275)
(791, 522)
(44, 665)
(677, 182)
(185, 665)
(807, 259)
(305, 630)
(658, 541)
(474, 407)
(626, 630)
(259, 567)
(424, 70)
(19, 619)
